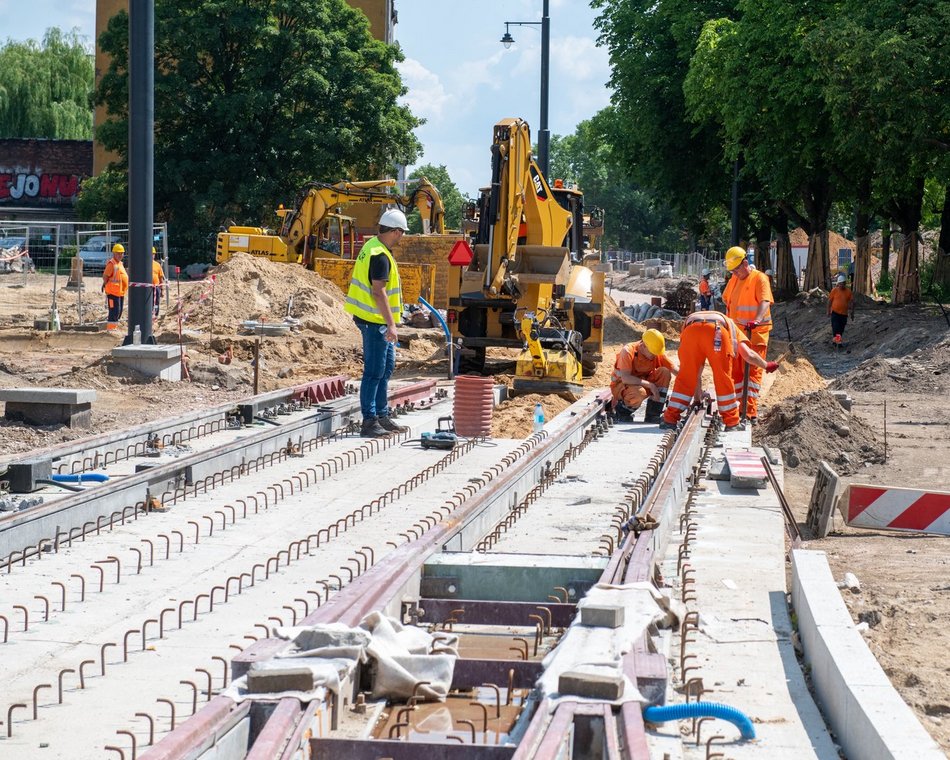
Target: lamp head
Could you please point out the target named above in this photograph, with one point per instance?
(507, 40)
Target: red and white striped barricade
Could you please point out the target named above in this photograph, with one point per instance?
(904, 509)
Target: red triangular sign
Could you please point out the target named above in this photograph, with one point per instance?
(461, 254)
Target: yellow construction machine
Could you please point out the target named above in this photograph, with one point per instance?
(525, 286)
(315, 228)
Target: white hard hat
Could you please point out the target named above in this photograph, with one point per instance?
(770, 272)
(706, 273)
(840, 278)
(393, 217)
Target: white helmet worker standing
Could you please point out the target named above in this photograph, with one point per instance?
(374, 298)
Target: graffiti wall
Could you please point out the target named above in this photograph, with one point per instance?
(43, 173)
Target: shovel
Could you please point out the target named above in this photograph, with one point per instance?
(788, 332)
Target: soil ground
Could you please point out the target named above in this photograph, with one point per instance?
(900, 356)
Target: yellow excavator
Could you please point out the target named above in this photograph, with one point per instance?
(316, 229)
(525, 286)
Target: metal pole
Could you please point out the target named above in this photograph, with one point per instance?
(141, 166)
(54, 314)
(544, 135)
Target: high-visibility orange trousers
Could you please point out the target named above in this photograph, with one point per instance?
(755, 381)
(696, 348)
(634, 395)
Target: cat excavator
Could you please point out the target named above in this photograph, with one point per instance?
(314, 228)
(525, 286)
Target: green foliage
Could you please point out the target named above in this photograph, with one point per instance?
(46, 89)
(252, 100)
(635, 219)
(452, 197)
(931, 287)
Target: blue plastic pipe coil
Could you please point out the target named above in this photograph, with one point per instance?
(664, 713)
(79, 477)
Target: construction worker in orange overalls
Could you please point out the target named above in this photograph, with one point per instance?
(642, 372)
(158, 281)
(705, 292)
(713, 337)
(115, 284)
(748, 299)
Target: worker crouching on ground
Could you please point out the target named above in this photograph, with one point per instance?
(158, 283)
(748, 299)
(710, 336)
(115, 284)
(374, 299)
(840, 307)
(705, 292)
(642, 372)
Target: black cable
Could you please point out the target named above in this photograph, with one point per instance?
(68, 487)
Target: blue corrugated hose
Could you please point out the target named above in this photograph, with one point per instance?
(664, 713)
(79, 477)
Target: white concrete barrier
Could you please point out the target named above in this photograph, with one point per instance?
(863, 708)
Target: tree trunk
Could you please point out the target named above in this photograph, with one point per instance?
(786, 278)
(907, 274)
(763, 240)
(862, 256)
(817, 268)
(942, 264)
(885, 251)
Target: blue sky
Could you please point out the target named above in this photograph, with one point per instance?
(460, 77)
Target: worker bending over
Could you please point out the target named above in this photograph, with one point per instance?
(115, 284)
(840, 307)
(710, 336)
(748, 299)
(705, 292)
(642, 372)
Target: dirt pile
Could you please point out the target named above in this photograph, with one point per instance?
(812, 427)
(514, 417)
(794, 375)
(682, 298)
(250, 287)
(925, 370)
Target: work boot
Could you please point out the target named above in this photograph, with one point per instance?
(623, 413)
(737, 426)
(653, 411)
(753, 421)
(372, 429)
(664, 425)
(387, 424)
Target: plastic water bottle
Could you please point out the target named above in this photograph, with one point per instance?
(538, 418)
(136, 336)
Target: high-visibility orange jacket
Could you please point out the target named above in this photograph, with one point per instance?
(704, 288)
(158, 274)
(742, 299)
(116, 278)
(839, 300)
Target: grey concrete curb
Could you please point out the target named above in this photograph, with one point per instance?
(867, 715)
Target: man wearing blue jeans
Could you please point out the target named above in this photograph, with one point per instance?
(374, 298)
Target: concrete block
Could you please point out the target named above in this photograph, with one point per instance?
(23, 475)
(49, 406)
(843, 398)
(824, 494)
(161, 361)
(601, 615)
(49, 395)
(592, 685)
(273, 680)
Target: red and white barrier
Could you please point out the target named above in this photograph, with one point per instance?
(905, 509)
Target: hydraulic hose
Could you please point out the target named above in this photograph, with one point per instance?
(445, 328)
(68, 487)
(79, 477)
(664, 713)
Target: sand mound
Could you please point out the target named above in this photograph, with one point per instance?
(924, 370)
(250, 287)
(514, 417)
(618, 327)
(795, 375)
(812, 427)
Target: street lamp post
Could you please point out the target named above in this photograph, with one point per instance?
(544, 134)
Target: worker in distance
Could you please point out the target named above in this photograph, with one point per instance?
(840, 307)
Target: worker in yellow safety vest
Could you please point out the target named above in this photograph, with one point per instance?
(115, 284)
(748, 299)
(158, 283)
(374, 298)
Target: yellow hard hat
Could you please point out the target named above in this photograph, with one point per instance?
(118, 248)
(654, 341)
(153, 250)
(734, 257)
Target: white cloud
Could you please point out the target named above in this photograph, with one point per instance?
(579, 59)
(426, 97)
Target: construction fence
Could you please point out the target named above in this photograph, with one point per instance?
(51, 272)
(668, 264)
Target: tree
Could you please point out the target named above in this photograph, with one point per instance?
(252, 100)
(452, 197)
(654, 140)
(46, 89)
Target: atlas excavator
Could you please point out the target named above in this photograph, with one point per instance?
(314, 228)
(525, 286)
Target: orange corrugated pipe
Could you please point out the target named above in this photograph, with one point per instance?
(474, 402)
